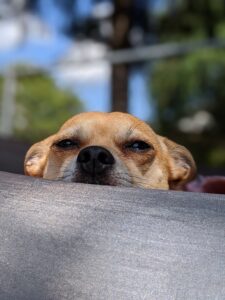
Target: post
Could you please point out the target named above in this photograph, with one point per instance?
(120, 40)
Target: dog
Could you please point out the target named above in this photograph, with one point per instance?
(114, 149)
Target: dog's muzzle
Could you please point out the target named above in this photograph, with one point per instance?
(94, 161)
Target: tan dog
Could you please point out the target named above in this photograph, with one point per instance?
(110, 149)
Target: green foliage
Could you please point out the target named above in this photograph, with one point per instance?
(217, 156)
(41, 107)
(191, 19)
(184, 86)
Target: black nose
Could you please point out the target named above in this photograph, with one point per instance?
(95, 160)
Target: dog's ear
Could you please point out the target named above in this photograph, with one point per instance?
(181, 165)
(36, 158)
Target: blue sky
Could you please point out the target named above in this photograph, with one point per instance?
(37, 53)
(42, 53)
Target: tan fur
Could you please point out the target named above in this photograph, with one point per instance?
(166, 165)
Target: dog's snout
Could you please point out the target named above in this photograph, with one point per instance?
(95, 160)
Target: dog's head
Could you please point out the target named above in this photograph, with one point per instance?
(110, 149)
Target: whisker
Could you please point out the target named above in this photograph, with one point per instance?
(135, 177)
(141, 184)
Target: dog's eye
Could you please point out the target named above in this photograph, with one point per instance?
(67, 143)
(138, 146)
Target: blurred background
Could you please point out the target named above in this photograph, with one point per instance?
(161, 60)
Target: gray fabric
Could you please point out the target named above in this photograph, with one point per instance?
(74, 241)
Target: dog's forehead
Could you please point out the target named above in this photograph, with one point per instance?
(120, 124)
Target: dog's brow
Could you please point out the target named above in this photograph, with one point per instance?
(131, 130)
(71, 132)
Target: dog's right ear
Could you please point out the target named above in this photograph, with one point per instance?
(36, 158)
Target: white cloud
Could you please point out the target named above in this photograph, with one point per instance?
(82, 64)
(84, 51)
(11, 34)
(83, 73)
(14, 31)
(103, 10)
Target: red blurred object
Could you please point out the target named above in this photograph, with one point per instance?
(207, 184)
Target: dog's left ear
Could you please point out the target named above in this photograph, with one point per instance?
(36, 158)
(181, 165)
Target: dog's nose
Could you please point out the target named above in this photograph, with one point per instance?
(95, 160)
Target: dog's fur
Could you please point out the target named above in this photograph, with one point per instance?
(141, 157)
